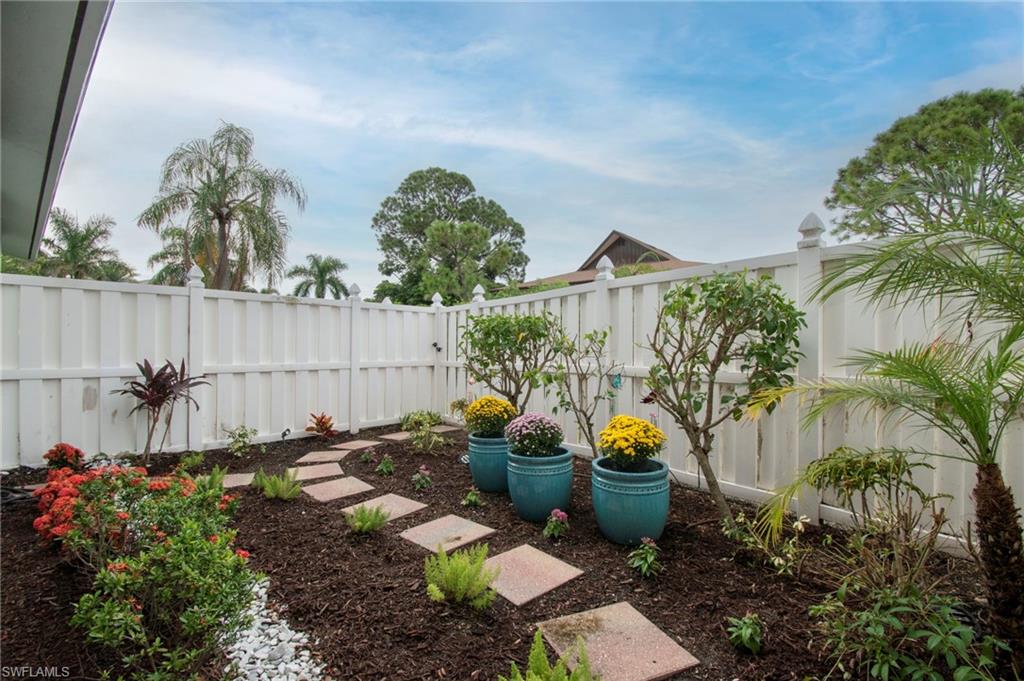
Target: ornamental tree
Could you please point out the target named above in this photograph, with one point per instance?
(728, 321)
(583, 377)
(510, 353)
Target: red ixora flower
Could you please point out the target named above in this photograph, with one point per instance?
(158, 485)
(117, 567)
(213, 538)
(122, 515)
(242, 553)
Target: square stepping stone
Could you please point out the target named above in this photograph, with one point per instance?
(528, 572)
(320, 470)
(450, 532)
(353, 445)
(621, 643)
(444, 429)
(336, 489)
(400, 436)
(324, 457)
(395, 505)
(238, 479)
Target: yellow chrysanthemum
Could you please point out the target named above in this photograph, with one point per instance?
(628, 438)
(489, 415)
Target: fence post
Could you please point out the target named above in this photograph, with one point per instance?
(602, 317)
(809, 443)
(355, 353)
(194, 417)
(440, 339)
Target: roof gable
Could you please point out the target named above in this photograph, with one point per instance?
(613, 238)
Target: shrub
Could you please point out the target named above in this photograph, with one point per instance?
(628, 441)
(63, 455)
(283, 487)
(488, 416)
(878, 633)
(783, 556)
(421, 418)
(158, 390)
(322, 425)
(510, 353)
(166, 611)
(386, 467)
(366, 457)
(539, 669)
(423, 439)
(705, 325)
(366, 519)
(190, 461)
(461, 577)
(644, 558)
(557, 525)
(746, 633)
(113, 510)
(421, 478)
(240, 439)
(583, 377)
(472, 498)
(533, 434)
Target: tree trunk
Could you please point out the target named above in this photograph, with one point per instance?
(716, 492)
(220, 279)
(1002, 557)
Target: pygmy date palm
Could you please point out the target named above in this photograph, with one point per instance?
(216, 184)
(81, 250)
(321, 274)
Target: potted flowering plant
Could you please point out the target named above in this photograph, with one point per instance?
(629, 486)
(486, 419)
(539, 467)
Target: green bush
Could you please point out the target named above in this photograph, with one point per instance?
(461, 577)
(880, 634)
(283, 487)
(420, 418)
(240, 439)
(423, 439)
(539, 669)
(746, 633)
(366, 519)
(166, 611)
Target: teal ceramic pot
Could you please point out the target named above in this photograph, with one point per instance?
(488, 462)
(630, 505)
(540, 484)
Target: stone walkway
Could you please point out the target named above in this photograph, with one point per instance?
(621, 643)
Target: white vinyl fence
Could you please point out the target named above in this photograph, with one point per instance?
(751, 458)
(271, 360)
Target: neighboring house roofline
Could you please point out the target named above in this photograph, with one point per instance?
(591, 261)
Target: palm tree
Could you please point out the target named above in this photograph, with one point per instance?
(968, 388)
(80, 251)
(320, 274)
(224, 192)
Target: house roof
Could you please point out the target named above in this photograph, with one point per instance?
(588, 270)
(613, 236)
(48, 49)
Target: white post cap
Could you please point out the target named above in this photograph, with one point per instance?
(604, 269)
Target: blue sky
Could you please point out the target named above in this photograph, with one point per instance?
(707, 129)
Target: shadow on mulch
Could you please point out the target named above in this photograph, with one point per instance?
(363, 598)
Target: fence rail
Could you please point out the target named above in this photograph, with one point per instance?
(271, 360)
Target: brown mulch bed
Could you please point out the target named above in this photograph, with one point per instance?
(363, 598)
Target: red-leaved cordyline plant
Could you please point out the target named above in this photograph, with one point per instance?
(160, 389)
(322, 425)
(63, 455)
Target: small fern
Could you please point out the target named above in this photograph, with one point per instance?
(539, 669)
(283, 487)
(460, 577)
(366, 519)
(213, 480)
